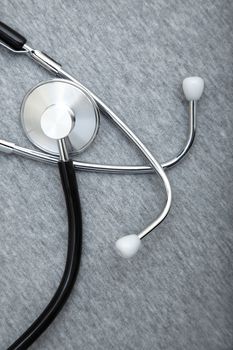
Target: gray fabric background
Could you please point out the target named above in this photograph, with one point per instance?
(177, 293)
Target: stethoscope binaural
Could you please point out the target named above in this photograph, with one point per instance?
(61, 117)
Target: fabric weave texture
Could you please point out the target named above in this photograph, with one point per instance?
(177, 292)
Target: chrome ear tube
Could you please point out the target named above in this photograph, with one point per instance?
(61, 118)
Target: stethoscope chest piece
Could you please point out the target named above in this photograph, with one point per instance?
(59, 96)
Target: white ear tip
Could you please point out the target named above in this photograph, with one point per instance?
(127, 246)
(193, 88)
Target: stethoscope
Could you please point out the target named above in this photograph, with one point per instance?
(61, 118)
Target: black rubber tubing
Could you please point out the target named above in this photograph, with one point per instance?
(64, 289)
(11, 38)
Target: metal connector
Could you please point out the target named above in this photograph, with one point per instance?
(43, 59)
(24, 51)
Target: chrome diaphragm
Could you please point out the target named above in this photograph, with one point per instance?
(61, 94)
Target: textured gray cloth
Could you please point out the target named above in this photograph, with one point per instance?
(177, 293)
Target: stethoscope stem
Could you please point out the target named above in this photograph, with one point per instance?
(64, 156)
